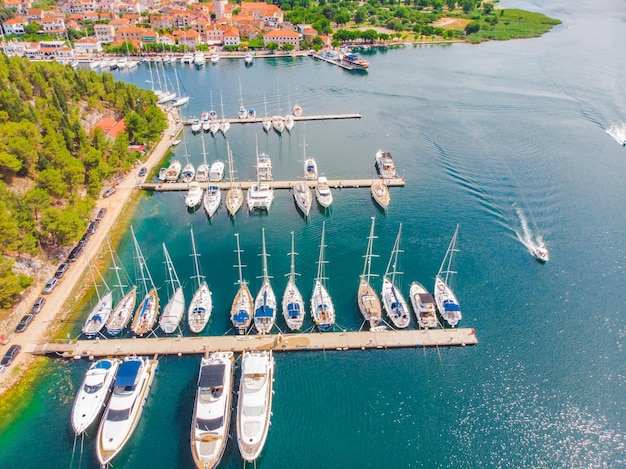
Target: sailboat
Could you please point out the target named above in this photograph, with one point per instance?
(188, 171)
(293, 304)
(123, 310)
(242, 113)
(369, 304)
(447, 304)
(212, 200)
(394, 303)
(202, 173)
(267, 121)
(289, 118)
(224, 123)
(234, 195)
(277, 121)
(201, 305)
(180, 99)
(148, 309)
(265, 302)
(175, 307)
(380, 194)
(303, 197)
(100, 313)
(241, 310)
(214, 123)
(322, 308)
(310, 166)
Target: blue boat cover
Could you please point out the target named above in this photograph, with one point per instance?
(449, 306)
(241, 316)
(127, 373)
(264, 312)
(102, 365)
(293, 310)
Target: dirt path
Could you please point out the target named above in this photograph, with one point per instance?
(58, 303)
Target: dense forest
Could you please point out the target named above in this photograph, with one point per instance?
(53, 163)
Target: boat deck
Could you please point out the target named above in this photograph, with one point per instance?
(320, 341)
(334, 183)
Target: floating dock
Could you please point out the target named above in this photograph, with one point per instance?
(254, 120)
(315, 341)
(337, 62)
(334, 183)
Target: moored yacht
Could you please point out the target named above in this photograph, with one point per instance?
(380, 194)
(241, 310)
(212, 200)
(98, 316)
(196, 126)
(188, 173)
(130, 392)
(322, 308)
(322, 192)
(199, 59)
(216, 171)
(123, 311)
(234, 195)
(303, 197)
(385, 165)
(93, 394)
(310, 169)
(148, 309)
(175, 307)
(278, 123)
(186, 58)
(263, 167)
(254, 406)
(367, 299)
(265, 302)
(248, 58)
(394, 303)
(259, 197)
(293, 303)
(289, 122)
(424, 306)
(212, 409)
(355, 61)
(194, 195)
(173, 171)
(201, 305)
(447, 304)
(215, 57)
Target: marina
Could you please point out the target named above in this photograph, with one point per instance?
(316, 341)
(254, 120)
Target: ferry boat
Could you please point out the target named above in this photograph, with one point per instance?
(322, 308)
(92, 396)
(322, 192)
(367, 299)
(212, 409)
(241, 310)
(254, 406)
(394, 303)
(355, 61)
(384, 164)
(194, 195)
(424, 306)
(447, 304)
(265, 301)
(128, 399)
(201, 305)
(293, 304)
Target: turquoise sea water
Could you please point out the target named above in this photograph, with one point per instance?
(493, 137)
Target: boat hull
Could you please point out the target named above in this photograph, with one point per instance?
(369, 304)
(241, 310)
(120, 317)
(173, 312)
(293, 306)
(146, 314)
(200, 309)
(322, 308)
(424, 306)
(447, 304)
(265, 309)
(395, 305)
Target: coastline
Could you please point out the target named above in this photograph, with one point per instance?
(62, 301)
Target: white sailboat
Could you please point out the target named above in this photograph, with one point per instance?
(241, 310)
(265, 301)
(93, 394)
(234, 195)
(242, 113)
(380, 194)
(254, 406)
(175, 307)
(224, 123)
(310, 166)
(424, 306)
(201, 305)
(293, 304)
(100, 313)
(322, 192)
(447, 304)
(212, 409)
(214, 123)
(123, 311)
(367, 299)
(394, 303)
(173, 171)
(303, 197)
(130, 392)
(267, 121)
(188, 171)
(212, 200)
(322, 308)
(180, 99)
(202, 173)
(148, 309)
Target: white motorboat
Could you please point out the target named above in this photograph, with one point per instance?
(123, 311)
(293, 304)
(175, 307)
(122, 63)
(310, 169)
(304, 198)
(367, 299)
(199, 59)
(98, 316)
(234, 195)
(265, 301)
(248, 58)
(93, 394)
(196, 126)
(289, 122)
(212, 200)
(385, 165)
(215, 57)
(187, 173)
(224, 123)
(260, 197)
(322, 308)
(424, 306)
(163, 174)
(216, 171)
(380, 194)
(278, 124)
(202, 174)
(173, 171)
(241, 310)
(212, 409)
(176, 142)
(95, 64)
(254, 406)
(447, 304)
(540, 252)
(297, 110)
(394, 303)
(251, 114)
(201, 305)
(131, 64)
(130, 392)
(267, 121)
(194, 195)
(148, 309)
(186, 59)
(263, 167)
(322, 192)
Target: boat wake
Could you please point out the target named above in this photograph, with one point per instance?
(526, 235)
(618, 132)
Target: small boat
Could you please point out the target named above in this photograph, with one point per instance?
(384, 164)
(186, 59)
(216, 172)
(241, 310)
(196, 126)
(224, 123)
(176, 142)
(243, 112)
(162, 174)
(212, 409)
(380, 194)
(424, 306)
(175, 307)
(303, 197)
(234, 195)
(122, 63)
(267, 121)
(540, 252)
(367, 299)
(265, 301)
(194, 195)
(98, 316)
(278, 124)
(322, 192)
(131, 64)
(447, 304)
(263, 167)
(201, 305)
(123, 311)
(355, 61)
(179, 101)
(297, 110)
(214, 126)
(254, 406)
(251, 114)
(92, 396)
(202, 173)
(188, 173)
(310, 167)
(248, 58)
(394, 303)
(95, 64)
(322, 308)
(289, 122)
(260, 197)
(215, 57)
(206, 125)
(130, 392)
(148, 309)
(212, 200)
(199, 59)
(293, 304)
(173, 171)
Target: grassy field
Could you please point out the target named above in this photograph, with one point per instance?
(512, 24)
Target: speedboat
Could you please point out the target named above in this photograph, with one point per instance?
(322, 308)
(214, 57)
(293, 304)
(424, 306)
(260, 197)
(447, 304)
(98, 316)
(263, 167)
(196, 126)
(248, 58)
(367, 299)
(322, 192)
(540, 253)
(186, 59)
(212, 409)
(265, 301)
(278, 123)
(173, 171)
(254, 406)
(188, 173)
(310, 169)
(130, 392)
(303, 197)
(194, 195)
(212, 200)
(199, 59)
(176, 142)
(92, 396)
(216, 171)
(385, 165)
(380, 194)
(241, 310)
(201, 305)
(162, 174)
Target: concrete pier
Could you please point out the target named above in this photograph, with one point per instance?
(253, 120)
(334, 183)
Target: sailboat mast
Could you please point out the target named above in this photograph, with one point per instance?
(265, 276)
(222, 103)
(393, 259)
(448, 258)
(239, 266)
(229, 155)
(115, 267)
(292, 270)
(195, 260)
(367, 265)
(93, 279)
(168, 263)
(321, 261)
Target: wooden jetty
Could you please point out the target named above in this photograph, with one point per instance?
(315, 341)
(320, 117)
(337, 62)
(334, 183)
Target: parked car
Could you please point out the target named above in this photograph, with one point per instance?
(24, 322)
(10, 355)
(91, 228)
(101, 213)
(84, 239)
(51, 285)
(74, 253)
(143, 171)
(37, 305)
(61, 270)
(109, 192)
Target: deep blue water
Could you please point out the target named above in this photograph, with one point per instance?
(491, 137)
